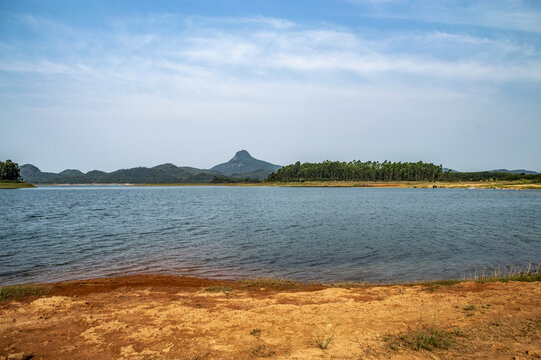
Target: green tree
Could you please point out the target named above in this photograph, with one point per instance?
(9, 170)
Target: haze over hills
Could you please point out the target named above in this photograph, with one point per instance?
(518, 171)
(241, 166)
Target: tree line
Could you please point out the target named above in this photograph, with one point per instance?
(9, 170)
(358, 171)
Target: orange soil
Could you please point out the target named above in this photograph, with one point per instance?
(166, 317)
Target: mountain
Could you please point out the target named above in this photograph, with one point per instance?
(244, 165)
(241, 167)
(161, 174)
(518, 171)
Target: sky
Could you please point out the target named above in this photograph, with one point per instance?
(117, 84)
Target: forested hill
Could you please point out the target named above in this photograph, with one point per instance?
(386, 171)
(244, 163)
(357, 170)
(242, 167)
(165, 173)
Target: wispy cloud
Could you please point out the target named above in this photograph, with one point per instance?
(277, 77)
(263, 49)
(515, 15)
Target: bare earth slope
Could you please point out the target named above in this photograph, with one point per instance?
(163, 317)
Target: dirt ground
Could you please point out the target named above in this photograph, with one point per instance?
(165, 317)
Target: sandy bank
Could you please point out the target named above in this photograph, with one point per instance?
(164, 317)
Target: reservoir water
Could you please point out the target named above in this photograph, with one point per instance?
(56, 233)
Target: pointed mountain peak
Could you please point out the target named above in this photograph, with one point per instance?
(243, 154)
(243, 163)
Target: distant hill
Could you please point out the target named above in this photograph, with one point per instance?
(244, 165)
(518, 171)
(505, 171)
(161, 174)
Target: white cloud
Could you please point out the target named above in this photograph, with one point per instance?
(190, 81)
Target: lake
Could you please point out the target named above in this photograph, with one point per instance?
(55, 233)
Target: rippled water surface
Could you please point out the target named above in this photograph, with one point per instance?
(323, 234)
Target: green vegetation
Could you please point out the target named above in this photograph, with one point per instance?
(161, 174)
(263, 351)
(10, 176)
(269, 283)
(12, 184)
(323, 341)
(386, 171)
(424, 337)
(20, 291)
(9, 170)
(256, 333)
(219, 288)
(222, 179)
(357, 171)
(527, 274)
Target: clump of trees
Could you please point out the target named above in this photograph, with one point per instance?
(9, 170)
(358, 171)
(222, 179)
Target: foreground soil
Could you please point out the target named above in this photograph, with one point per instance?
(163, 317)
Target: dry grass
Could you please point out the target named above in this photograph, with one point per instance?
(20, 291)
(269, 283)
(423, 338)
(219, 288)
(529, 273)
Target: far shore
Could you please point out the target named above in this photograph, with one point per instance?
(176, 317)
(15, 185)
(515, 185)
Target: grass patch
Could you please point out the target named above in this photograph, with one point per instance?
(470, 307)
(20, 291)
(219, 288)
(510, 273)
(424, 337)
(263, 351)
(269, 283)
(200, 357)
(323, 341)
(427, 338)
(348, 285)
(256, 333)
(497, 320)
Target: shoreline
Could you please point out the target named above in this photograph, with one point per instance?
(15, 185)
(177, 317)
(512, 185)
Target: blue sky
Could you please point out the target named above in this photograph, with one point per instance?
(107, 85)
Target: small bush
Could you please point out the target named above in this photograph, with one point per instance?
(269, 283)
(426, 338)
(218, 288)
(263, 351)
